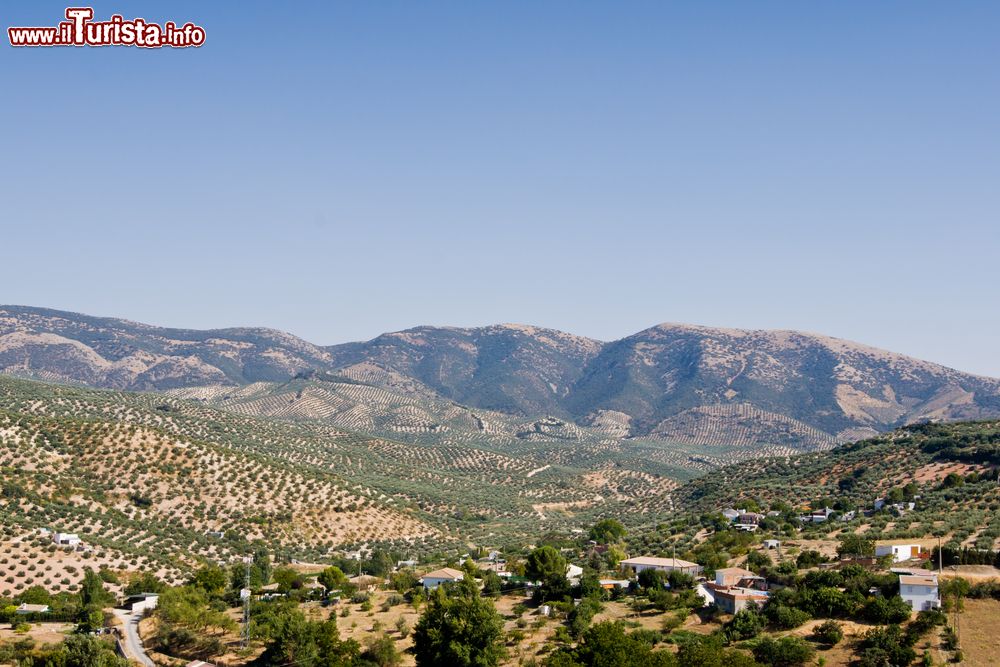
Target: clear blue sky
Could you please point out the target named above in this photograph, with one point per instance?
(351, 168)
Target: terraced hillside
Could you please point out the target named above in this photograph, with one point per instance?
(154, 482)
(403, 415)
(703, 386)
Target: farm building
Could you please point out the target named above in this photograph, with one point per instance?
(920, 591)
(899, 552)
(66, 539)
(641, 563)
(736, 576)
(445, 575)
(735, 600)
(141, 602)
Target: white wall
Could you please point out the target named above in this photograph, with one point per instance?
(919, 597)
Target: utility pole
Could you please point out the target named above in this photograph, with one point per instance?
(245, 598)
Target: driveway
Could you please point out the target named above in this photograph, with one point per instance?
(131, 642)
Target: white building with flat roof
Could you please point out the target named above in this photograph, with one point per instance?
(66, 539)
(899, 552)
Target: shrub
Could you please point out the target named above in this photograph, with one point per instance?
(784, 652)
(828, 633)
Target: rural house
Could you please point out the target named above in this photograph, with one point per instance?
(641, 563)
(920, 591)
(445, 575)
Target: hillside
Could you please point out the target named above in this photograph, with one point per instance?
(676, 383)
(949, 472)
(146, 480)
(103, 352)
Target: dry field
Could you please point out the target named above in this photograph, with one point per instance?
(41, 633)
(978, 632)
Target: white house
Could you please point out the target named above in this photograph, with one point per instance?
(66, 539)
(573, 573)
(445, 575)
(731, 514)
(899, 552)
(819, 516)
(772, 544)
(920, 591)
(641, 563)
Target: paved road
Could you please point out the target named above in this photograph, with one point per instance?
(131, 641)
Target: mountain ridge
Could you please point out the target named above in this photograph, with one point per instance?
(703, 384)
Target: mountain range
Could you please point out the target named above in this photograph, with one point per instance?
(678, 382)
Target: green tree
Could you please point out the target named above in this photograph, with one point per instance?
(828, 633)
(460, 629)
(86, 651)
(547, 566)
(332, 579)
(492, 584)
(785, 652)
(92, 593)
(287, 579)
(856, 545)
(746, 624)
(304, 643)
(608, 645)
(381, 651)
(211, 579)
(145, 583)
(607, 531)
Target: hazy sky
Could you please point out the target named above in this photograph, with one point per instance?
(598, 167)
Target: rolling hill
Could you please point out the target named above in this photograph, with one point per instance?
(153, 482)
(949, 473)
(676, 383)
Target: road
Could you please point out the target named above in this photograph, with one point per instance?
(131, 642)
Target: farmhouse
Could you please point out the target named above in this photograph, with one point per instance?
(818, 516)
(641, 563)
(899, 552)
(735, 600)
(445, 575)
(729, 577)
(920, 591)
(66, 539)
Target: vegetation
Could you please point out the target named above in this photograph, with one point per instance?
(459, 627)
